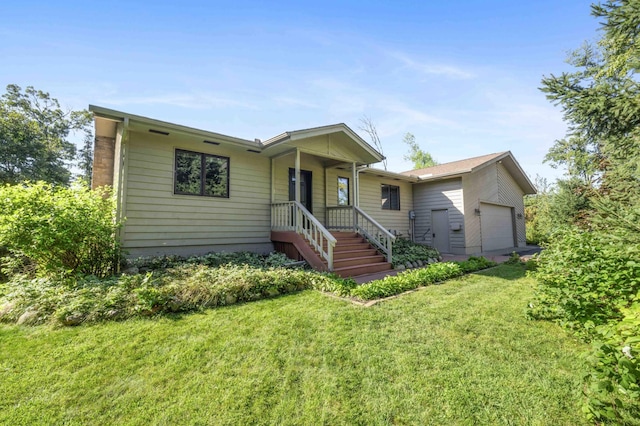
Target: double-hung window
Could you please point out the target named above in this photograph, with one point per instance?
(201, 174)
(390, 197)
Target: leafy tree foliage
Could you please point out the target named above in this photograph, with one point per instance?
(589, 276)
(85, 159)
(34, 133)
(416, 155)
(58, 231)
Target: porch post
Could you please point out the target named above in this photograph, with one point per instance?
(354, 179)
(356, 185)
(297, 182)
(273, 181)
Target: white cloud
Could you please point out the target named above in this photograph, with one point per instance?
(445, 70)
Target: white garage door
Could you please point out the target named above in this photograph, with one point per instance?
(496, 226)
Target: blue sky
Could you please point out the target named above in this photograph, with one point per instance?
(462, 76)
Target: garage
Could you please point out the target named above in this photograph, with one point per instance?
(496, 225)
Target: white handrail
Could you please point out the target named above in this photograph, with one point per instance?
(354, 219)
(293, 216)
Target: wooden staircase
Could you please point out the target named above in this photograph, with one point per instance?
(353, 256)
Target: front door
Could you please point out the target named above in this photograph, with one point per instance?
(440, 230)
(305, 188)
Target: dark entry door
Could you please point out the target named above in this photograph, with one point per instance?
(305, 188)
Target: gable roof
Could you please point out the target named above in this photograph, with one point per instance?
(371, 155)
(469, 165)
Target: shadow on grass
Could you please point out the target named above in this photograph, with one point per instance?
(505, 272)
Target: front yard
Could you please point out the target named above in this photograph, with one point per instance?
(457, 353)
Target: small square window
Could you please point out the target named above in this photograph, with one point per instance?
(201, 174)
(390, 197)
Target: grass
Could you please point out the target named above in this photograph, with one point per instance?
(458, 353)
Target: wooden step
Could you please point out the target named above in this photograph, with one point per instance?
(346, 254)
(351, 247)
(352, 271)
(340, 235)
(357, 261)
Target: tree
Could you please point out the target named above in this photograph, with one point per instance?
(590, 277)
(85, 159)
(369, 128)
(417, 156)
(34, 134)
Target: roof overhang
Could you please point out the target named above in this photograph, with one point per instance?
(106, 118)
(506, 159)
(389, 175)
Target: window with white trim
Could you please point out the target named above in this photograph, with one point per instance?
(390, 197)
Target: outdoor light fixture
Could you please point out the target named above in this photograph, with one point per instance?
(477, 212)
(519, 215)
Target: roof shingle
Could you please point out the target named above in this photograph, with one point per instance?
(454, 167)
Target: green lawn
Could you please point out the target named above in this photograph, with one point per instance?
(457, 353)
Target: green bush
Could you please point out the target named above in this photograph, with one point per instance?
(159, 263)
(614, 383)
(409, 280)
(405, 250)
(186, 288)
(585, 279)
(60, 231)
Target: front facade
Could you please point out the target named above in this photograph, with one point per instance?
(187, 191)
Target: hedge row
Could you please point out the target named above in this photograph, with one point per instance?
(408, 280)
(182, 289)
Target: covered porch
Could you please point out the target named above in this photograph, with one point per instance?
(315, 213)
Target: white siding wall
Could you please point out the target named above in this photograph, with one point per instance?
(435, 196)
(160, 222)
(511, 194)
(371, 203)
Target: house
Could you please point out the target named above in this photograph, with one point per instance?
(310, 193)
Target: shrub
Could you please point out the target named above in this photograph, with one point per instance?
(585, 279)
(405, 250)
(614, 383)
(186, 288)
(59, 231)
(514, 259)
(158, 263)
(409, 280)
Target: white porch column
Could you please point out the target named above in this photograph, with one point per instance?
(297, 175)
(356, 185)
(273, 180)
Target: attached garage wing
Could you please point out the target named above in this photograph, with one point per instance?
(496, 226)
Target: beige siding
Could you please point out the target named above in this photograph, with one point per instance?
(510, 193)
(371, 203)
(330, 146)
(160, 222)
(332, 185)
(436, 196)
(479, 186)
(492, 184)
(307, 162)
